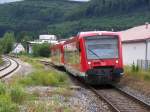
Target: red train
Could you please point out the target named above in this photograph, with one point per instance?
(57, 54)
(95, 56)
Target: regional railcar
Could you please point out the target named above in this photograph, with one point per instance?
(95, 56)
(57, 54)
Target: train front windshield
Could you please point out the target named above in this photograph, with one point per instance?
(101, 47)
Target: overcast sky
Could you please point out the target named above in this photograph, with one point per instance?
(81, 0)
(5, 1)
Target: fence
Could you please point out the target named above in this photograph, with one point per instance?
(143, 64)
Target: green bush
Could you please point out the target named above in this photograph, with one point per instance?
(41, 50)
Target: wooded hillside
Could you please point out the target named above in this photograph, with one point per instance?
(65, 18)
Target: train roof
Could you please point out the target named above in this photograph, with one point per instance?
(91, 33)
(82, 34)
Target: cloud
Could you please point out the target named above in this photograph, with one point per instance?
(6, 1)
(81, 0)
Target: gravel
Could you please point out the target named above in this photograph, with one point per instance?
(88, 102)
(137, 94)
(25, 69)
(82, 100)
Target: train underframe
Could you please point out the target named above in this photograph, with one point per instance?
(103, 75)
(98, 75)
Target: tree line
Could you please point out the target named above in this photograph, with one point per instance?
(64, 18)
(97, 8)
(8, 42)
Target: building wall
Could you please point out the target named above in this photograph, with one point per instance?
(19, 48)
(30, 49)
(47, 37)
(148, 51)
(133, 51)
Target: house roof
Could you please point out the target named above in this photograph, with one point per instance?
(136, 34)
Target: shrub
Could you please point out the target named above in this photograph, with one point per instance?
(41, 50)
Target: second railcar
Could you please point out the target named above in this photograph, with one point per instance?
(95, 56)
(57, 54)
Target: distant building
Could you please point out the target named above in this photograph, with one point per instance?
(136, 45)
(48, 38)
(51, 39)
(18, 47)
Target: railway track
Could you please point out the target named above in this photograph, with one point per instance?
(6, 64)
(118, 99)
(9, 68)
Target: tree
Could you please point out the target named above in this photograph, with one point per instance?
(7, 42)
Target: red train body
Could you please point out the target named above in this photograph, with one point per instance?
(94, 56)
(57, 54)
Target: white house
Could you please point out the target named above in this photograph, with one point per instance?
(51, 39)
(136, 44)
(18, 47)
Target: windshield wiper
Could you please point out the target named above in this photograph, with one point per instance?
(94, 53)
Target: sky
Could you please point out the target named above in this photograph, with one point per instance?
(81, 0)
(6, 1)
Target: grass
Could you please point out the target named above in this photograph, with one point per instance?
(18, 94)
(1, 61)
(140, 74)
(137, 79)
(13, 94)
(11, 97)
(44, 78)
(6, 105)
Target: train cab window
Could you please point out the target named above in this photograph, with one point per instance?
(101, 47)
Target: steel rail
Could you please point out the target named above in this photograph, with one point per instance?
(7, 65)
(113, 108)
(135, 98)
(11, 71)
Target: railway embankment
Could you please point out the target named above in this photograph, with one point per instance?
(40, 88)
(136, 81)
(37, 87)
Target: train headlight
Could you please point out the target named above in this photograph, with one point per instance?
(89, 63)
(117, 61)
